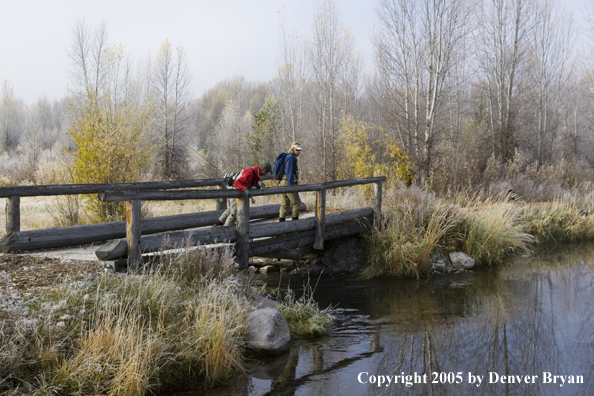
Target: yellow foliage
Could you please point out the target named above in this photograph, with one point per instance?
(359, 153)
(112, 147)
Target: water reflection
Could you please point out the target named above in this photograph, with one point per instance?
(521, 320)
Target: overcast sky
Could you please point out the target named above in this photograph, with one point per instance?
(222, 38)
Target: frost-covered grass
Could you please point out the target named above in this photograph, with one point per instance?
(128, 334)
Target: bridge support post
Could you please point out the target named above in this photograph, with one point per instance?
(13, 214)
(320, 219)
(242, 243)
(133, 232)
(221, 202)
(377, 204)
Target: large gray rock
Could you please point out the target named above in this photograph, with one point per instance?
(268, 332)
(461, 260)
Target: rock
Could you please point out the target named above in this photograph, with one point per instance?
(461, 260)
(263, 302)
(268, 332)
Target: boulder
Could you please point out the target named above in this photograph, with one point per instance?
(263, 302)
(461, 260)
(268, 332)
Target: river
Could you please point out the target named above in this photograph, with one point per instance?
(523, 328)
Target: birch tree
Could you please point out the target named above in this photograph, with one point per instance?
(503, 35)
(415, 43)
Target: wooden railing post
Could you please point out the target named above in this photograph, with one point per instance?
(242, 243)
(377, 204)
(320, 219)
(13, 214)
(133, 232)
(221, 202)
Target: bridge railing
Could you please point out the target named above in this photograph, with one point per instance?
(243, 232)
(17, 240)
(323, 226)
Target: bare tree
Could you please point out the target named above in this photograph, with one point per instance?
(415, 44)
(171, 80)
(37, 135)
(290, 85)
(231, 145)
(335, 70)
(551, 46)
(504, 32)
(11, 111)
(87, 56)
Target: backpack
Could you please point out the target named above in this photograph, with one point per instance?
(279, 166)
(230, 178)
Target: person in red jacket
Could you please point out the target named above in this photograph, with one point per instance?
(249, 178)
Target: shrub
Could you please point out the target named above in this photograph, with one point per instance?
(112, 148)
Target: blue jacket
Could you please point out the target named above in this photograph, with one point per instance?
(291, 169)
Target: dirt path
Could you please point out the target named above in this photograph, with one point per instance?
(29, 273)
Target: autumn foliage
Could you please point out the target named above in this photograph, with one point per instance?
(112, 148)
(362, 152)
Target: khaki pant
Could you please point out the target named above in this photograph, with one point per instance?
(287, 200)
(229, 216)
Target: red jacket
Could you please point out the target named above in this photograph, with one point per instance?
(250, 177)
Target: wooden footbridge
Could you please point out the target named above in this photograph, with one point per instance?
(131, 238)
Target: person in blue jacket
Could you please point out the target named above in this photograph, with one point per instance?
(290, 178)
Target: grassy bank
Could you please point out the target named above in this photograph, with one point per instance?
(182, 322)
(419, 225)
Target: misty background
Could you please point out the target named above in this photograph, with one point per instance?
(465, 92)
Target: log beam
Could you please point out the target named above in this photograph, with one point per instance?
(91, 233)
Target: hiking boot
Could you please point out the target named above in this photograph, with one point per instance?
(294, 218)
(281, 219)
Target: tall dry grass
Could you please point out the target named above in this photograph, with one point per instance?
(411, 236)
(128, 335)
(180, 321)
(419, 225)
(494, 230)
(562, 220)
